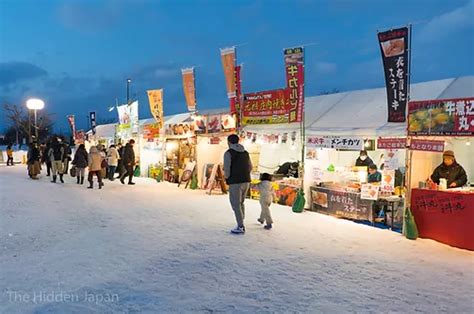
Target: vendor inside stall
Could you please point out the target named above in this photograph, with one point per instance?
(450, 170)
(363, 160)
(374, 175)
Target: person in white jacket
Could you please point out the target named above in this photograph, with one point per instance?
(112, 160)
(267, 195)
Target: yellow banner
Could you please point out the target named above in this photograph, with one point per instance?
(155, 97)
(188, 88)
(228, 62)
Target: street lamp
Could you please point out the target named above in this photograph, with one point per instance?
(128, 90)
(35, 105)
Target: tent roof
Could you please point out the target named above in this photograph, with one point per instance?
(364, 112)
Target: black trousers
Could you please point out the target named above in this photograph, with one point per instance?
(129, 173)
(91, 175)
(10, 160)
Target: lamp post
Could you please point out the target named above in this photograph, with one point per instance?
(128, 90)
(35, 105)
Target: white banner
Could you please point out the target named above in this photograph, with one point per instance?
(134, 116)
(336, 142)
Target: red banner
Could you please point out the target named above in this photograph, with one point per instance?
(189, 88)
(235, 101)
(266, 107)
(228, 63)
(427, 145)
(441, 117)
(391, 143)
(294, 65)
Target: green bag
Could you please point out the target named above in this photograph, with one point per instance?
(136, 173)
(411, 231)
(298, 205)
(194, 182)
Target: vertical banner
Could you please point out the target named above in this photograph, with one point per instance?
(294, 66)
(72, 124)
(228, 63)
(236, 102)
(155, 98)
(134, 116)
(189, 88)
(92, 119)
(394, 48)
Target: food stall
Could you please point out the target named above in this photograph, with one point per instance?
(442, 213)
(151, 149)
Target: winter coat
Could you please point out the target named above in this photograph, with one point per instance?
(10, 152)
(33, 155)
(113, 157)
(237, 165)
(375, 177)
(95, 159)
(56, 152)
(128, 155)
(81, 159)
(364, 163)
(267, 193)
(453, 173)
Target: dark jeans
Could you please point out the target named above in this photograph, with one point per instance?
(10, 160)
(112, 172)
(91, 175)
(48, 167)
(129, 173)
(121, 169)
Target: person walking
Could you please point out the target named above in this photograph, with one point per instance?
(80, 161)
(94, 164)
(121, 168)
(112, 160)
(33, 161)
(237, 168)
(128, 159)
(56, 154)
(46, 159)
(9, 155)
(267, 195)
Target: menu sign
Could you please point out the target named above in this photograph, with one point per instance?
(336, 142)
(266, 107)
(452, 117)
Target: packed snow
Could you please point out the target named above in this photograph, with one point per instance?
(154, 247)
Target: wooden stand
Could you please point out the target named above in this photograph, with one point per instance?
(217, 177)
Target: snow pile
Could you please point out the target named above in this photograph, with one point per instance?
(153, 247)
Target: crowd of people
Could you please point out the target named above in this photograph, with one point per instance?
(56, 155)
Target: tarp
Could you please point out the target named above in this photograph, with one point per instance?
(364, 112)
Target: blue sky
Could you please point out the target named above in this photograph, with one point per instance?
(76, 55)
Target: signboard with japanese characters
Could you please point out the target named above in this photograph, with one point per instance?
(388, 181)
(394, 48)
(336, 142)
(427, 145)
(369, 191)
(445, 117)
(341, 203)
(294, 66)
(391, 143)
(266, 107)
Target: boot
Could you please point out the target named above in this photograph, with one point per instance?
(82, 180)
(54, 179)
(101, 185)
(78, 179)
(91, 186)
(61, 178)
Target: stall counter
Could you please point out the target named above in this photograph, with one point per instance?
(445, 216)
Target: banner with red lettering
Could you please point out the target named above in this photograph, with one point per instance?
(294, 66)
(394, 48)
(441, 117)
(391, 143)
(267, 107)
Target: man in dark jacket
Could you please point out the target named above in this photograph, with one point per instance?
(237, 168)
(56, 154)
(450, 170)
(128, 160)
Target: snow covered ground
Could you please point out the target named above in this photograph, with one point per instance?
(156, 248)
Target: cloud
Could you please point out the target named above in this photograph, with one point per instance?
(445, 24)
(325, 67)
(15, 72)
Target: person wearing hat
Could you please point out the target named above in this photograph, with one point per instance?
(450, 170)
(374, 175)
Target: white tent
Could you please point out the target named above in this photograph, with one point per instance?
(364, 112)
